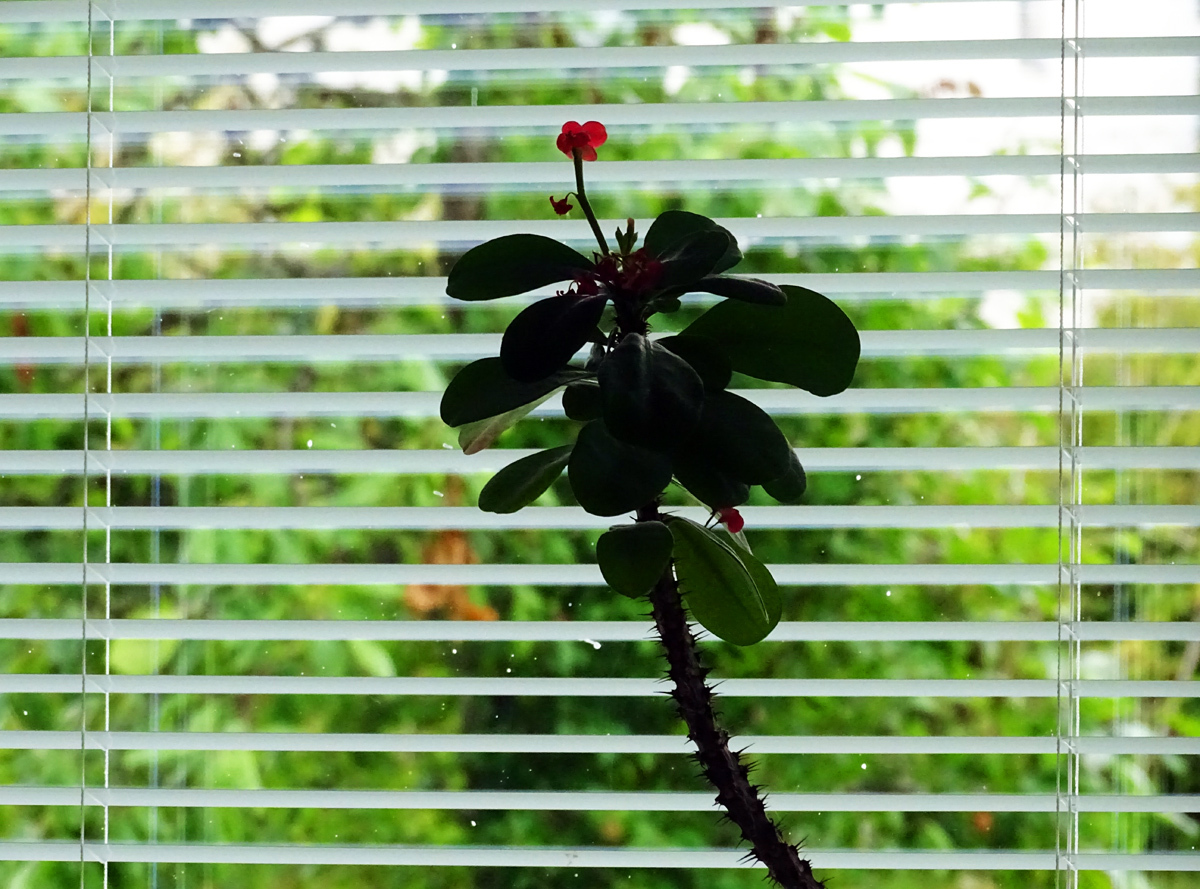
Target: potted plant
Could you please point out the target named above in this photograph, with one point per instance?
(657, 411)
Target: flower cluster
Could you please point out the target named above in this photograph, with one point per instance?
(631, 274)
(585, 139)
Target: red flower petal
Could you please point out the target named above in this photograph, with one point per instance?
(562, 208)
(731, 519)
(596, 133)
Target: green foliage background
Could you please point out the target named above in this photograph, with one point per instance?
(848, 772)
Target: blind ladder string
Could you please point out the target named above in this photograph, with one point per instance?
(1070, 417)
(87, 288)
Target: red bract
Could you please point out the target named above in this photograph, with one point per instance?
(731, 519)
(562, 207)
(587, 138)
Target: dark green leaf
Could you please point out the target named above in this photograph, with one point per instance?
(740, 439)
(651, 396)
(610, 477)
(789, 487)
(633, 557)
(730, 598)
(513, 264)
(704, 355)
(475, 437)
(547, 334)
(581, 401)
(809, 342)
(519, 484)
(750, 290)
(673, 225)
(707, 483)
(482, 389)
(693, 257)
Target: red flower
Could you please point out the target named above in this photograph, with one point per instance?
(586, 138)
(562, 208)
(731, 519)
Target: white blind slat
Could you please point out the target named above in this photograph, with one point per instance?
(581, 857)
(520, 175)
(425, 404)
(343, 742)
(573, 518)
(470, 347)
(363, 292)
(421, 462)
(615, 687)
(551, 117)
(587, 801)
(589, 631)
(549, 61)
(826, 229)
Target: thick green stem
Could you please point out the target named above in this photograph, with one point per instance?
(721, 765)
(583, 201)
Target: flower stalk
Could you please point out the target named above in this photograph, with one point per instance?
(584, 204)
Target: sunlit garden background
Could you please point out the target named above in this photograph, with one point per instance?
(222, 400)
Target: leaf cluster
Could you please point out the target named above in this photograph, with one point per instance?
(653, 410)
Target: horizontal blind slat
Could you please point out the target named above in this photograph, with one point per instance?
(579, 857)
(617, 687)
(471, 347)
(276, 574)
(550, 117)
(34, 11)
(423, 291)
(517, 175)
(572, 518)
(828, 229)
(578, 801)
(558, 59)
(591, 632)
(341, 742)
(418, 462)
(778, 402)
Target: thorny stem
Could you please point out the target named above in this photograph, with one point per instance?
(723, 767)
(583, 201)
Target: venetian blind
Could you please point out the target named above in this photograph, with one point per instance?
(255, 631)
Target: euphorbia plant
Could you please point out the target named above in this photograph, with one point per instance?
(657, 412)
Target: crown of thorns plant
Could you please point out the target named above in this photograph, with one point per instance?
(653, 410)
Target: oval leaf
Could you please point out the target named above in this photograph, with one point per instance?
(633, 557)
(482, 389)
(673, 225)
(706, 483)
(520, 483)
(705, 356)
(719, 587)
(808, 342)
(611, 477)
(546, 335)
(581, 401)
(477, 436)
(789, 487)
(651, 397)
(693, 257)
(513, 264)
(740, 439)
(751, 290)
